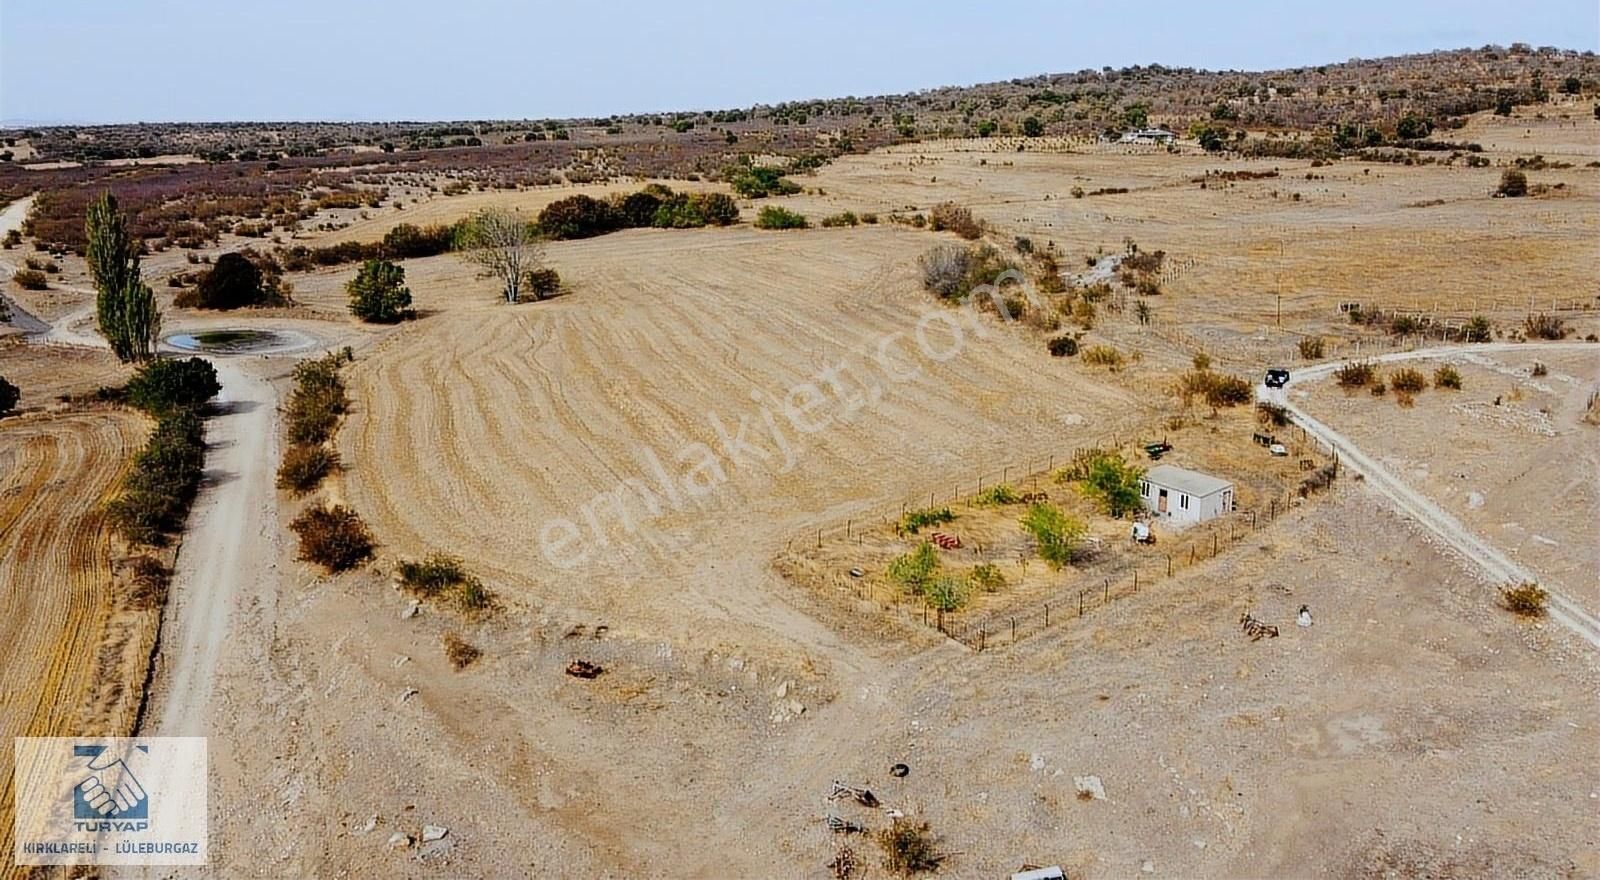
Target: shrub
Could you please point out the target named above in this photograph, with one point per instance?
(233, 282)
(638, 209)
(578, 216)
(1513, 183)
(1272, 414)
(915, 521)
(1539, 369)
(407, 241)
(1217, 390)
(908, 848)
(333, 537)
(542, 283)
(9, 395)
(378, 294)
(759, 181)
(1103, 356)
(158, 488)
(165, 386)
(774, 217)
(945, 269)
(31, 279)
(1525, 600)
(987, 577)
(915, 570)
(999, 494)
(1113, 483)
(433, 574)
(458, 652)
(147, 583)
(1355, 374)
(317, 401)
(1477, 329)
(1056, 533)
(1063, 346)
(1408, 381)
(945, 593)
(1405, 325)
(848, 218)
(1543, 326)
(951, 216)
(1447, 377)
(1311, 348)
(1378, 388)
(303, 467)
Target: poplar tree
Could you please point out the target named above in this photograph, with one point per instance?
(125, 308)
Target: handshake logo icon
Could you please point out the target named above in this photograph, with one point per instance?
(109, 789)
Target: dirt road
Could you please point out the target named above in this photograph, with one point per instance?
(231, 541)
(1499, 567)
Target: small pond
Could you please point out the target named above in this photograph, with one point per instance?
(229, 341)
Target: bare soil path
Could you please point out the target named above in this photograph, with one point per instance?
(1500, 568)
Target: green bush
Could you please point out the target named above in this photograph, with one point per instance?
(378, 294)
(440, 574)
(1002, 493)
(913, 571)
(1542, 326)
(317, 402)
(1063, 346)
(333, 537)
(915, 521)
(303, 467)
(1513, 183)
(774, 217)
(759, 181)
(1057, 534)
(1478, 329)
(578, 216)
(407, 241)
(847, 218)
(169, 385)
(1447, 377)
(161, 484)
(1113, 483)
(945, 593)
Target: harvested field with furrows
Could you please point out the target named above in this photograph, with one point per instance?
(503, 419)
(75, 654)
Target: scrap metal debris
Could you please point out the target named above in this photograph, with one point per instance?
(584, 669)
(1255, 629)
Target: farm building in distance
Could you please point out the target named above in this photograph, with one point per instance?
(1148, 136)
(1184, 496)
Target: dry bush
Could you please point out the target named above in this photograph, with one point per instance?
(1539, 369)
(458, 652)
(147, 583)
(1447, 377)
(1408, 381)
(1218, 390)
(439, 573)
(31, 279)
(1525, 600)
(1311, 348)
(1404, 399)
(1272, 414)
(908, 848)
(303, 467)
(1356, 374)
(951, 216)
(1103, 356)
(1543, 326)
(333, 537)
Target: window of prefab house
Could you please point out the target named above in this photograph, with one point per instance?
(1183, 501)
(1144, 489)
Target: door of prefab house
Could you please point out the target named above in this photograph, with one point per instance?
(1161, 502)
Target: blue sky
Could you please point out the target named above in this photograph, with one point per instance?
(81, 61)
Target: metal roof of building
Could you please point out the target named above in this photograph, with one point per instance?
(1191, 483)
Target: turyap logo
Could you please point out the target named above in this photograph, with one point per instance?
(110, 796)
(110, 800)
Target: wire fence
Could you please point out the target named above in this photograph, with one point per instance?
(1079, 592)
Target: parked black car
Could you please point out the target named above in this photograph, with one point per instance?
(1277, 378)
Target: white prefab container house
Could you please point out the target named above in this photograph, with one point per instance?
(1183, 496)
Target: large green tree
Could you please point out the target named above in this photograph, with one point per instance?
(125, 307)
(378, 293)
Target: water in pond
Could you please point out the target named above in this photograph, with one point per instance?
(227, 341)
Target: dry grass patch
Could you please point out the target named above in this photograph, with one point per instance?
(459, 652)
(1525, 600)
